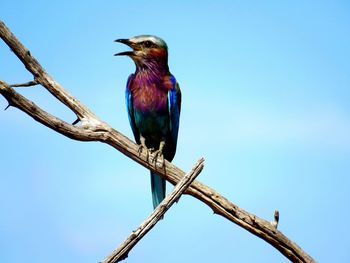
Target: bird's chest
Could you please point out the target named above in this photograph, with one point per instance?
(151, 111)
(149, 99)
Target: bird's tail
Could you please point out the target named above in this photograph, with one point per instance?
(158, 189)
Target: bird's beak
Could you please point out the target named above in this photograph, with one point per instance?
(126, 42)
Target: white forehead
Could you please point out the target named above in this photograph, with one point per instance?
(156, 40)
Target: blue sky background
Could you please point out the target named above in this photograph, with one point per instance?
(265, 100)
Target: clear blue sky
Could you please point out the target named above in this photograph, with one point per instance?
(266, 100)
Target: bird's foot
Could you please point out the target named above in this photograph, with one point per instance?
(158, 154)
(142, 147)
(140, 150)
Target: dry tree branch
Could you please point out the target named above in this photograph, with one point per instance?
(122, 251)
(93, 129)
(27, 84)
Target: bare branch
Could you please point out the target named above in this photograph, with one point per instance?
(41, 76)
(122, 251)
(27, 84)
(93, 129)
(17, 100)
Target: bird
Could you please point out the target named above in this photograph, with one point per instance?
(153, 101)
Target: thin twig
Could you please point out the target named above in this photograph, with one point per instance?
(26, 84)
(276, 218)
(122, 251)
(93, 129)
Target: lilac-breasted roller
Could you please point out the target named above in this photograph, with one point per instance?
(153, 100)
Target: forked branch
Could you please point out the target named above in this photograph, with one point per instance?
(93, 129)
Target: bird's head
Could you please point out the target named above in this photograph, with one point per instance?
(146, 49)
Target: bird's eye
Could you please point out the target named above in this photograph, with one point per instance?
(148, 44)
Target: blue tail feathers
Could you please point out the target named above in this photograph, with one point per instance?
(158, 189)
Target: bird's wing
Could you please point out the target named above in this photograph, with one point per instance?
(130, 109)
(174, 107)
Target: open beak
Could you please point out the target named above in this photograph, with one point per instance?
(126, 42)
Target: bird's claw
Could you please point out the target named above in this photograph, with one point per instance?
(142, 147)
(158, 155)
(148, 151)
